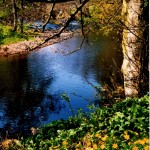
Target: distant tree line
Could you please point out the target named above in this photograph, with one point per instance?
(16, 12)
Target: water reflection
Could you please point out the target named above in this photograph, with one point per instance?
(23, 100)
(31, 85)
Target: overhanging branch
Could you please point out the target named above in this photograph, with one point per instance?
(50, 15)
(65, 26)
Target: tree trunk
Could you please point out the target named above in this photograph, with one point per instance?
(49, 17)
(132, 46)
(14, 15)
(22, 18)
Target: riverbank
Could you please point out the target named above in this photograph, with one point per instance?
(27, 46)
(123, 126)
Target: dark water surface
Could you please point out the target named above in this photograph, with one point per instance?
(31, 85)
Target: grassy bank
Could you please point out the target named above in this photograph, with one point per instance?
(8, 36)
(124, 126)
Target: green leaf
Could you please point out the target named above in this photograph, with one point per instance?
(65, 97)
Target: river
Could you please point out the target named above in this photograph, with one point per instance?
(31, 85)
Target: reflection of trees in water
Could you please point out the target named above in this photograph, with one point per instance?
(26, 105)
(31, 113)
(105, 61)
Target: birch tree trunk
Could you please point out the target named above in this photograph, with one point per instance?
(132, 46)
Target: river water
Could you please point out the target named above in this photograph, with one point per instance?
(31, 85)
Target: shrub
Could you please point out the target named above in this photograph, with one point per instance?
(123, 126)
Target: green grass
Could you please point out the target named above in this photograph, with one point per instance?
(124, 126)
(8, 36)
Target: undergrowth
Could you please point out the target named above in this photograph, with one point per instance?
(124, 126)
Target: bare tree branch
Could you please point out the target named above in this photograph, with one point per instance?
(75, 50)
(65, 26)
(50, 15)
(82, 29)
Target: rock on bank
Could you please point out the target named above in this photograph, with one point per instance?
(27, 46)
